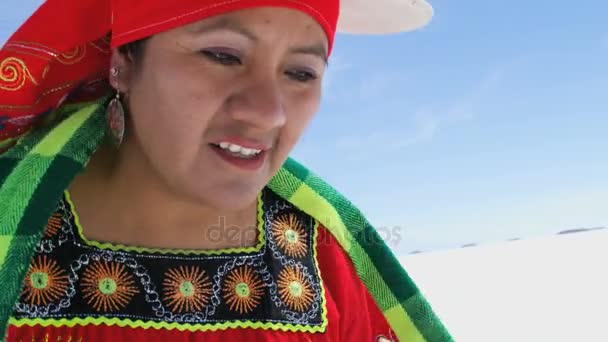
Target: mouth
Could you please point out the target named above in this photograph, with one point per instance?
(244, 158)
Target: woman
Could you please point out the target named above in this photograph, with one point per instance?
(147, 191)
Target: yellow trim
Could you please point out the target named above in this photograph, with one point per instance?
(323, 298)
(169, 251)
(318, 207)
(402, 325)
(59, 323)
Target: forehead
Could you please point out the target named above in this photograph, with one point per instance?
(257, 17)
(268, 24)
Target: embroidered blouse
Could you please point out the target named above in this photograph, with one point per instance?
(296, 284)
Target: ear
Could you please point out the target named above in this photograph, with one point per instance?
(123, 63)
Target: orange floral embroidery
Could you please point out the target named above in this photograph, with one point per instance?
(290, 235)
(186, 289)
(107, 286)
(53, 225)
(45, 282)
(294, 289)
(243, 290)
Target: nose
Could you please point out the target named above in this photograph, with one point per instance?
(259, 105)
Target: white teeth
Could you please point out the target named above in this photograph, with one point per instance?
(239, 149)
(247, 151)
(234, 148)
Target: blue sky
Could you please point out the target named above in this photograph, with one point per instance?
(488, 124)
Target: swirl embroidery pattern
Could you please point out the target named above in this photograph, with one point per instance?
(14, 74)
(73, 56)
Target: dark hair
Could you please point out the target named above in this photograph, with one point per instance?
(135, 50)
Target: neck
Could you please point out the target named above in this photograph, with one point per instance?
(120, 200)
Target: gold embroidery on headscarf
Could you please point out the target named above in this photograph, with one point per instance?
(32, 46)
(73, 56)
(45, 71)
(27, 107)
(44, 94)
(102, 46)
(21, 52)
(14, 74)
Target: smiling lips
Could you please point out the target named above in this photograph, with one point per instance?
(239, 150)
(246, 155)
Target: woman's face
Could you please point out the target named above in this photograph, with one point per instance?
(206, 98)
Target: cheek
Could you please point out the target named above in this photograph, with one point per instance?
(171, 112)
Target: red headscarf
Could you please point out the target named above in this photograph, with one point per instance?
(63, 50)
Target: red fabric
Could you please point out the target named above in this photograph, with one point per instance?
(360, 318)
(66, 44)
(352, 314)
(147, 20)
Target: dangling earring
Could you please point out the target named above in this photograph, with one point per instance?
(115, 116)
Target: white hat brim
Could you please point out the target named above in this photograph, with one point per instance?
(383, 16)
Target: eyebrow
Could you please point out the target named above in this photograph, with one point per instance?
(227, 23)
(318, 50)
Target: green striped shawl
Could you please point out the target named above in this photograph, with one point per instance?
(34, 174)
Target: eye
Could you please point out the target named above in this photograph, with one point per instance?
(221, 57)
(301, 75)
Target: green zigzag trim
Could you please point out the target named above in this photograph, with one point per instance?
(58, 323)
(168, 251)
(286, 327)
(315, 241)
